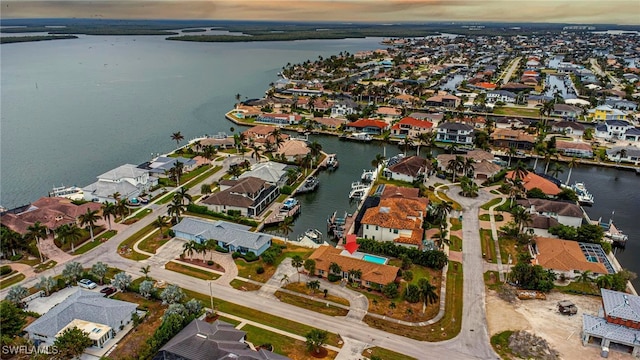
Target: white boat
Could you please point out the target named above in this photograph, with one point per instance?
(584, 197)
(69, 192)
(358, 190)
(311, 238)
(368, 176)
(361, 136)
(309, 185)
(332, 162)
(358, 185)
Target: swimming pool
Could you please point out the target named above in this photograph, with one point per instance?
(375, 259)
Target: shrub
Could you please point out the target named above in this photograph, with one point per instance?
(287, 190)
(5, 269)
(250, 256)
(408, 275)
(210, 262)
(236, 255)
(390, 290)
(334, 277)
(16, 257)
(221, 249)
(260, 270)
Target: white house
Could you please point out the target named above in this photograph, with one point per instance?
(395, 219)
(458, 133)
(565, 213)
(624, 154)
(343, 108)
(568, 128)
(612, 129)
(501, 96)
(128, 180)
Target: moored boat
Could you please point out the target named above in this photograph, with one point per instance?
(309, 185)
(584, 197)
(368, 176)
(332, 162)
(69, 192)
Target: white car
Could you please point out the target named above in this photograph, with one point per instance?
(87, 284)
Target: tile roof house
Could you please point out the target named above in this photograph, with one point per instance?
(330, 123)
(231, 236)
(261, 133)
(51, 212)
(127, 179)
(410, 127)
(566, 213)
(373, 275)
(293, 150)
(619, 325)
(409, 169)
(532, 181)
(251, 196)
(102, 317)
(200, 340)
(565, 257)
(483, 166)
(457, 133)
(508, 138)
(574, 148)
(387, 112)
(368, 125)
(449, 101)
(395, 219)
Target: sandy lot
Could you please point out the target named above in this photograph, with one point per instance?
(542, 318)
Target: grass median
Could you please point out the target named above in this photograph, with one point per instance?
(385, 354)
(191, 271)
(125, 249)
(313, 305)
(8, 281)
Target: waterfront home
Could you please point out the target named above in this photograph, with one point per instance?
(409, 169)
(279, 119)
(512, 123)
(343, 108)
(271, 172)
(568, 128)
(330, 123)
(565, 213)
(374, 275)
(570, 258)
(624, 154)
(483, 165)
(250, 196)
(368, 126)
(161, 165)
(396, 219)
(606, 112)
(448, 101)
(388, 113)
(621, 104)
(574, 148)
(613, 129)
(457, 133)
(293, 150)
(410, 127)
(566, 111)
(127, 180)
(220, 141)
(435, 118)
(228, 235)
(219, 340)
(539, 225)
(619, 326)
(404, 100)
(100, 317)
(261, 133)
(532, 181)
(51, 212)
(511, 138)
(502, 96)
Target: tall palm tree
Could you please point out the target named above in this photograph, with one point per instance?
(146, 270)
(286, 227)
(176, 171)
(209, 151)
(278, 140)
(454, 166)
(573, 163)
(69, 234)
(315, 148)
(550, 153)
(621, 153)
(427, 139)
(335, 268)
(255, 151)
(511, 152)
(210, 245)
(89, 219)
(385, 139)
(37, 232)
(468, 167)
(442, 210)
(175, 208)
(521, 217)
(517, 189)
(122, 209)
(9, 240)
(183, 194)
(189, 248)
(556, 169)
(379, 159)
(406, 144)
(108, 211)
(177, 137)
(297, 262)
(427, 292)
(538, 149)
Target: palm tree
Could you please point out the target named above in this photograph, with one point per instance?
(176, 171)
(442, 210)
(386, 137)
(277, 137)
(209, 151)
(177, 137)
(556, 169)
(573, 163)
(468, 167)
(604, 281)
(189, 248)
(548, 155)
(37, 232)
(585, 276)
(427, 292)
(521, 217)
(108, 211)
(511, 152)
(160, 222)
(517, 189)
(454, 165)
(9, 240)
(313, 285)
(175, 209)
(406, 144)
(286, 226)
(379, 159)
(210, 245)
(122, 208)
(146, 270)
(285, 279)
(315, 148)
(538, 149)
(335, 268)
(306, 162)
(621, 153)
(183, 194)
(89, 219)
(427, 139)
(255, 151)
(69, 233)
(297, 262)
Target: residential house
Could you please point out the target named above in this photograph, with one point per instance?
(373, 275)
(435, 118)
(621, 104)
(512, 123)
(250, 196)
(200, 340)
(508, 138)
(231, 236)
(369, 126)
(279, 119)
(51, 212)
(410, 127)
(388, 113)
(448, 101)
(220, 141)
(100, 317)
(293, 150)
(532, 181)
(127, 180)
(624, 154)
(486, 86)
(262, 133)
(483, 165)
(161, 165)
(619, 325)
(271, 172)
(502, 96)
(404, 100)
(612, 129)
(568, 128)
(606, 112)
(330, 123)
(632, 134)
(409, 169)
(566, 111)
(565, 213)
(343, 108)
(457, 133)
(574, 148)
(540, 225)
(396, 219)
(570, 258)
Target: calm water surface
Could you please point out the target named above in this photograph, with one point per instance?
(73, 109)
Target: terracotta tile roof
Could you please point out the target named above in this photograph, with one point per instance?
(399, 191)
(564, 255)
(511, 134)
(363, 123)
(259, 130)
(411, 166)
(375, 273)
(486, 85)
(399, 213)
(532, 181)
(330, 122)
(579, 145)
(385, 110)
(51, 212)
(294, 148)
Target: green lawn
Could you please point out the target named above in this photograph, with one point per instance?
(8, 281)
(455, 224)
(313, 305)
(456, 243)
(516, 111)
(488, 247)
(153, 243)
(500, 343)
(191, 271)
(491, 203)
(143, 213)
(487, 217)
(45, 266)
(233, 322)
(125, 249)
(576, 287)
(493, 285)
(165, 199)
(92, 244)
(283, 345)
(385, 354)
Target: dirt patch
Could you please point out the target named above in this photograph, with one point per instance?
(455, 256)
(541, 317)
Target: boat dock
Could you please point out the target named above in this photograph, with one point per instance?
(278, 216)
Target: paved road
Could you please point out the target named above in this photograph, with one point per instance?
(512, 68)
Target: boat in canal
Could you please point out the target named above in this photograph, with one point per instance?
(311, 238)
(332, 162)
(360, 136)
(584, 197)
(359, 190)
(368, 176)
(309, 185)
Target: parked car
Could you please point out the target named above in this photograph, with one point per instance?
(87, 284)
(108, 290)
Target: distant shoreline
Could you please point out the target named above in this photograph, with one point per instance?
(22, 39)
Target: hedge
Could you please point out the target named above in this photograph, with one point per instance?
(203, 210)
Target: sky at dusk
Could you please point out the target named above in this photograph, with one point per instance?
(382, 11)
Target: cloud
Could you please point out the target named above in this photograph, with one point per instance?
(576, 11)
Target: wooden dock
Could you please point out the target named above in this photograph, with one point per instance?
(278, 216)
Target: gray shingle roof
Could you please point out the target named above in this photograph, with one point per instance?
(123, 171)
(203, 341)
(455, 126)
(230, 233)
(550, 206)
(621, 305)
(83, 305)
(598, 326)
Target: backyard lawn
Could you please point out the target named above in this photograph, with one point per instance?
(249, 270)
(283, 345)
